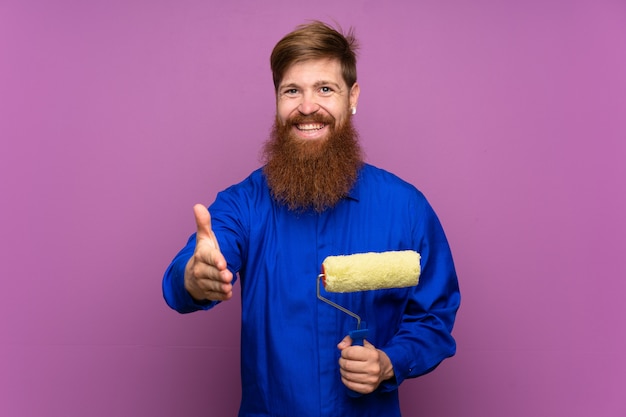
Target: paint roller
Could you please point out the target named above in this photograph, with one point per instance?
(364, 272)
(368, 271)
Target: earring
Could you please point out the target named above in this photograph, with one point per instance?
(353, 110)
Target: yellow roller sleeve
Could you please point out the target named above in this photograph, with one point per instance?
(371, 271)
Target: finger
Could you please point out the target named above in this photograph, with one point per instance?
(219, 296)
(359, 353)
(205, 236)
(361, 387)
(203, 222)
(210, 265)
(209, 262)
(211, 288)
(365, 370)
(368, 345)
(346, 342)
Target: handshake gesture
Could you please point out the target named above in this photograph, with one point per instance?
(206, 275)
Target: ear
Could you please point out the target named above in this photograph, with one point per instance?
(354, 95)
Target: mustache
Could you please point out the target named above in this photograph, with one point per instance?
(311, 118)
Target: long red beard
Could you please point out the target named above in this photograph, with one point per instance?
(316, 174)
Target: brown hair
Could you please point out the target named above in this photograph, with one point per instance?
(315, 40)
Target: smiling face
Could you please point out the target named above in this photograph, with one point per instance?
(313, 99)
(313, 155)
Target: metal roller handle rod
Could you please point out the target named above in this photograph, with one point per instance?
(337, 306)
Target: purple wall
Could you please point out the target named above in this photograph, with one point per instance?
(117, 116)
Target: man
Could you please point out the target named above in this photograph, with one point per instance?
(313, 198)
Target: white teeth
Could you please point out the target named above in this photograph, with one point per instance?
(310, 126)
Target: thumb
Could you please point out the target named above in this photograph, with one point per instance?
(203, 223)
(347, 341)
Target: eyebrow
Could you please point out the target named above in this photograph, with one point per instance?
(317, 84)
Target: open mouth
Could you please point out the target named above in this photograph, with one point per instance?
(310, 127)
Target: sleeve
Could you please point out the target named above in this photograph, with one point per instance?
(424, 338)
(228, 224)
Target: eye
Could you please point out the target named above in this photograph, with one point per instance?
(290, 92)
(326, 90)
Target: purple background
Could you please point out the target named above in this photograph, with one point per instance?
(117, 116)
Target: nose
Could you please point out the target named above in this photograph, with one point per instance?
(308, 105)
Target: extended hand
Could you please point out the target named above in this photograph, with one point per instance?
(206, 275)
(363, 368)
